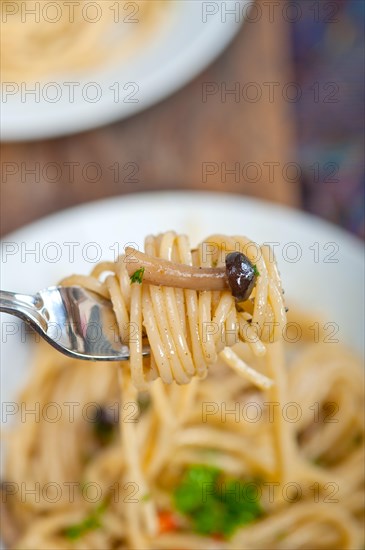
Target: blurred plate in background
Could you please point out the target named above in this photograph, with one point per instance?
(190, 36)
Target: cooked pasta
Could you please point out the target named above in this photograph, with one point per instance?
(214, 442)
(41, 39)
(186, 329)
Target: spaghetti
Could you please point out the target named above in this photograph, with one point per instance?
(39, 39)
(230, 447)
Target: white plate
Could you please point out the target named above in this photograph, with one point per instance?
(40, 254)
(326, 278)
(177, 52)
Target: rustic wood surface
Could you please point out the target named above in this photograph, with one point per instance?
(169, 145)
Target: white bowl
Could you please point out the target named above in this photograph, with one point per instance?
(184, 44)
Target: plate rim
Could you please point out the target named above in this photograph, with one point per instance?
(306, 217)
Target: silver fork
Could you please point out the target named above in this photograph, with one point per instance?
(75, 321)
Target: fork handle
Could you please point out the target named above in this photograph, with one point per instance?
(20, 305)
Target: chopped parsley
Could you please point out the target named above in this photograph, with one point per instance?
(90, 523)
(215, 503)
(137, 276)
(255, 270)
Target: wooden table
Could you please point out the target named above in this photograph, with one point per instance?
(192, 140)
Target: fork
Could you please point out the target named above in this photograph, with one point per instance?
(75, 321)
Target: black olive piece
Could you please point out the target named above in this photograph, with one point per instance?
(241, 275)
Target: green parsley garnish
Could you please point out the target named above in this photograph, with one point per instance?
(255, 270)
(137, 276)
(90, 523)
(215, 503)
